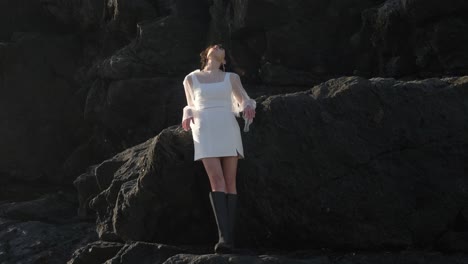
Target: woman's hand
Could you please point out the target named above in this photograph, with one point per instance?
(186, 123)
(249, 112)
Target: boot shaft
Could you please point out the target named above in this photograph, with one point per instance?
(231, 200)
(219, 205)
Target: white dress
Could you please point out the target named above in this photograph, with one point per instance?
(214, 107)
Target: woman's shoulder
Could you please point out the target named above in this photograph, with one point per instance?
(191, 73)
(233, 75)
(198, 70)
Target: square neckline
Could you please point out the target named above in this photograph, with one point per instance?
(225, 75)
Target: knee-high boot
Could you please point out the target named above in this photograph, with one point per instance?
(231, 199)
(219, 204)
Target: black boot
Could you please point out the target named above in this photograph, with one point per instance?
(231, 207)
(231, 199)
(219, 204)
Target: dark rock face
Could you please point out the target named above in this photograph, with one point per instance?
(109, 47)
(44, 230)
(92, 95)
(414, 38)
(40, 116)
(135, 92)
(25, 16)
(78, 79)
(75, 14)
(138, 167)
(99, 252)
(313, 37)
(148, 55)
(350, 163)
(127, 253)
(352, 258)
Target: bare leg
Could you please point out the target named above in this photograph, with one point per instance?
(215, 174)
(219, 203)
(229, 165)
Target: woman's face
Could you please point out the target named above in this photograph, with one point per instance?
(216, 52)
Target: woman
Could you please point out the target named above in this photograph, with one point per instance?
(214, 99)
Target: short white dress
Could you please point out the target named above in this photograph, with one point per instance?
(216, 132)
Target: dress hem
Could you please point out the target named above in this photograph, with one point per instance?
(217, 156)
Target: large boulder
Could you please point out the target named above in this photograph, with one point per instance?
(351, 163)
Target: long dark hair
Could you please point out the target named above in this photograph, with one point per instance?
(204, 58)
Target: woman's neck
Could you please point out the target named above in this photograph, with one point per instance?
(211, 71)
(211, 67)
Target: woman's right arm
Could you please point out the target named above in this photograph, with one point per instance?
(189, 108)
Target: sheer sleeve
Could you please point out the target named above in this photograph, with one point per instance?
(189, 108)
(240, 100)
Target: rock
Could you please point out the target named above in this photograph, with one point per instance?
(95, 252)
(432, 10)
(350, 163)
(280, 76)
(52, 208)
(40, 115)
(25, 16)
(420, 39)
(160, 253)
(136, 161)
(348, 257)
(162, 46)
(40, 242)
(145, 253)
(44, 230)
(215, 258)
(304, 36)
(84, 15)
(104, 47)
(361, 161)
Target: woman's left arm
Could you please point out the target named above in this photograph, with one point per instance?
(247, 104)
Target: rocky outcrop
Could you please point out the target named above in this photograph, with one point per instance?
(127, 253)
(43, 230)
(371, 160)
(107, 48)
(65, 87)
(40, 109)
(355, 163)
(413, 38)
(24, 16)
(306, 38)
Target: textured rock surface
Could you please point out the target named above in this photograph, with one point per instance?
(100, 252)
(414, 38)
(109, 47)
(314, 258)
(24, 16)
(367, 164)
(40, 117)
(44, 230)
(93, 89)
